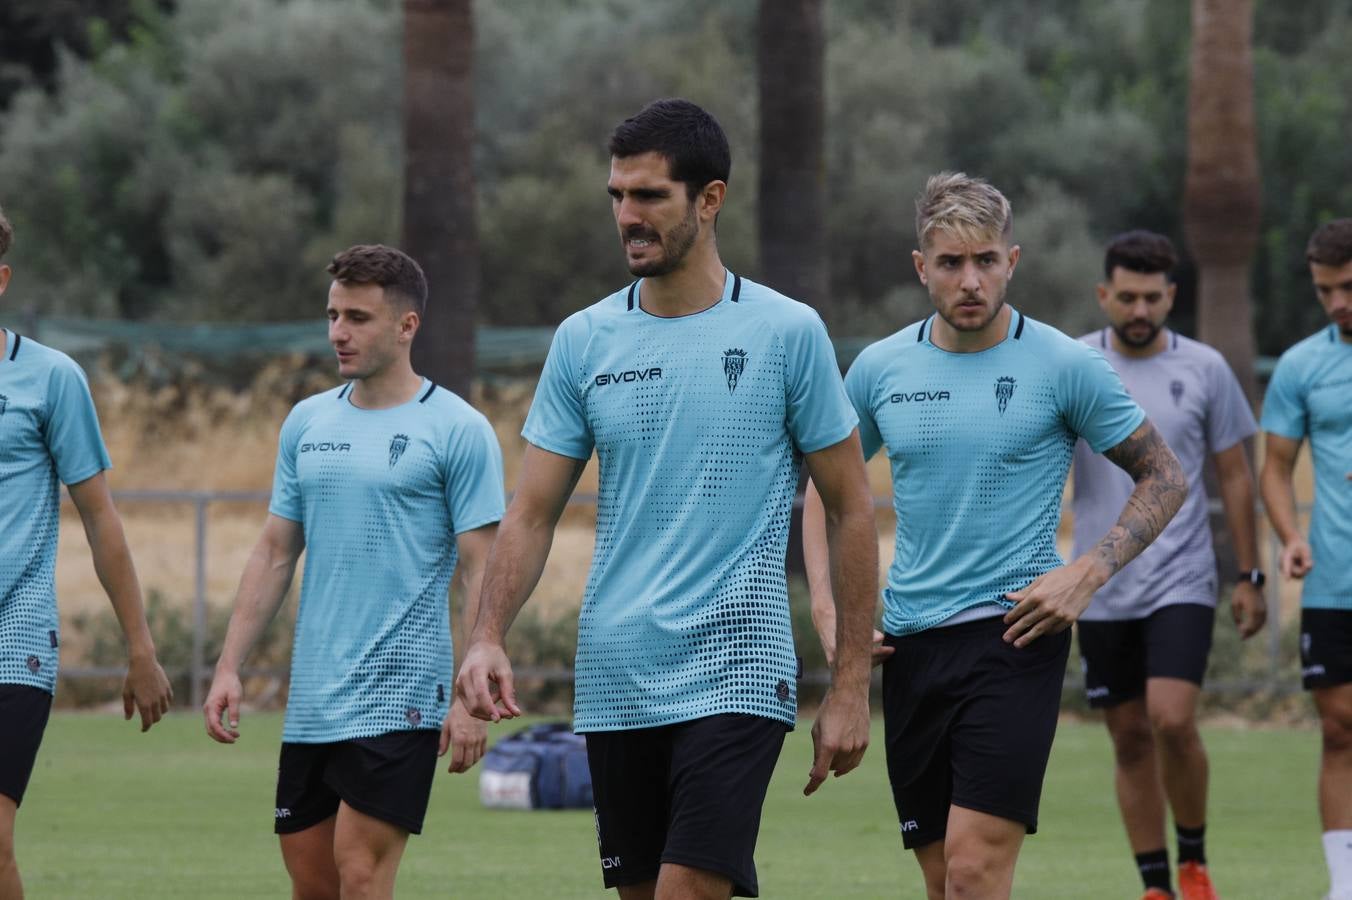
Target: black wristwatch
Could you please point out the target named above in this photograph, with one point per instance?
(1254, 577)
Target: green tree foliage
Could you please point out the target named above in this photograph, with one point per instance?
(207, 163)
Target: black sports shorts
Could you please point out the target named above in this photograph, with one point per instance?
(387, 777)
(969, 722)
(23, 718)
(689, 794)
(1119, 655)
(1325, 647)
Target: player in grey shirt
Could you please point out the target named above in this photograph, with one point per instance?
(1145, 637)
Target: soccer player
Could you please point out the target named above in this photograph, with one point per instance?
(700, 392)
(1308, 397)
(390, 484)
(979, 407)
(49, 433)
(1145, 637)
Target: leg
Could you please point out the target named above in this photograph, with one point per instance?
(935, 870)
(1140, 795)
(677, 882)
(1172, 705)
(1335, 769)
(367, 852)
(308, 855)
(11, 888)
(980, 851)
(645, 891)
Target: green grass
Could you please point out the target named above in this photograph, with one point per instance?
(112, 813)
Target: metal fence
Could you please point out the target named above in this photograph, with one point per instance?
(200, 672)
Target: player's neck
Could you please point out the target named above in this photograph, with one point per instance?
(946, 337)
(1158, 344)
(694, 287)
(392, 386)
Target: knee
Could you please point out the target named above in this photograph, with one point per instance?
(1175, 730)
(357, 875)
(312, 888)
(1133, 743)
(1337, 734)
(971, 875)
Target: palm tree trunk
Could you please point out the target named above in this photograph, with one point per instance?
(440, 227)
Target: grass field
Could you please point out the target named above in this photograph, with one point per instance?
(112, 813)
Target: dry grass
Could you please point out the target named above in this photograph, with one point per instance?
(197, 437)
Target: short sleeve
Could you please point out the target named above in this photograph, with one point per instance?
(286, 499)
(817, 412)
(1284, 410)
(72, 426)
(474, 492)
(859, 385)
(1229, 419)
(556, 421)
(1094, 402)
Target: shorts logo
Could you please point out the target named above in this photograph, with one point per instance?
(782, 691)
(1004, 389)
(610, 862)
(910, 825)
(34, 664)
(1095, 693)
(414, 717)
(281, 812)
(1305, 644)
(398, 444)
(1176, 390)
(4, 403)
(734, 364)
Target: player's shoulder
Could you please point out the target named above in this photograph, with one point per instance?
(1308, 350)
(324, 401)
(1190, 348)
(450, 407)
(895, 346)
(39, 358)
(1050, 344)
(585, 321)
(781, 313)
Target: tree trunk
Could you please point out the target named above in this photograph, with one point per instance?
(440, 228)
(1222, 194)
(791, 205)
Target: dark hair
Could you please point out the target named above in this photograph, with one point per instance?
(1331, 244)
(6, 234)
(1140, 251)
(692, 141)
(392, 269)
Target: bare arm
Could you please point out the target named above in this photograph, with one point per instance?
(1247, 604)
(464, 735)
(1279, 497)
(262, 588)
(514, 567)
(146, 688)
(816, 559)
(840, 734)
(1055, 600)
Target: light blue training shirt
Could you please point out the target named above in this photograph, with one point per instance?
(1310, 396)
(980, 445)
(1196, 403)
(49, 435)
(381, 495)
(698, 423)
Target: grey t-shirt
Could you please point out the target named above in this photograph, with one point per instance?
(1196, 403)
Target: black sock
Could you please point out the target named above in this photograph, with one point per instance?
(1191, 844)
(1154, 868)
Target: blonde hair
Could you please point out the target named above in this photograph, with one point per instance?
(966, 207)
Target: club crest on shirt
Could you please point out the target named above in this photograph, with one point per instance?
(398, 444)
(1176, 390)
(1004, 389)
(734, 363)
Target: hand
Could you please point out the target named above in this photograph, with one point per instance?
(880, 652)
(1297, 559)
(223, 699)
(465, 736)
(1249, 609)
(146, 689)
(839, 736)
(487, 672)
(1052, 603)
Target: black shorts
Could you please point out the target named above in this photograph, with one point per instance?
(23, 718)
(388, 777)
(1117, 656)
(1325, 647)
(969, 722)
(689, 794)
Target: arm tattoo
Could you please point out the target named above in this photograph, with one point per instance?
(1160, 490)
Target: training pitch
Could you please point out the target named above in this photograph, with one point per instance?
(112, 813)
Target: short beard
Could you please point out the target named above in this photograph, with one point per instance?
(1137, 344)
(675, 245)
(995, 311)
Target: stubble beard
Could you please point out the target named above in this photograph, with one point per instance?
(676, 246)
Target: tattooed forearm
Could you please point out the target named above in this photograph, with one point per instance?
(1160, 490)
